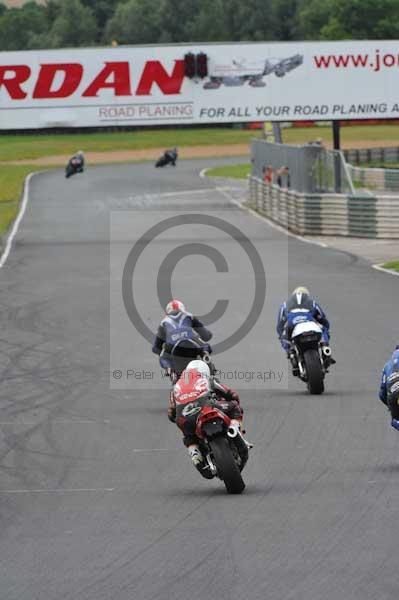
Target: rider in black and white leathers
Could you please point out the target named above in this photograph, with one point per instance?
(176, 326)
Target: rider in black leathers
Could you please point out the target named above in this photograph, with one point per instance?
(171, 155)
(75, 164)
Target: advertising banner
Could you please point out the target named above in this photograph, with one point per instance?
(94, 87)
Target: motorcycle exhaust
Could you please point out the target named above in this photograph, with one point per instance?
(233, 430)
(326, 350)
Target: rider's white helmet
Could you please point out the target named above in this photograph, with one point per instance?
(200, 366)
(301, 290)
(175, 306)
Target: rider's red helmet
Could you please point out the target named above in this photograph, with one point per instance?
(175, 306)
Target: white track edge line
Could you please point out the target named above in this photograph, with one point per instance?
(379, 267)
(222, 190)
(269, 222)
(56, 491)
(14, 229)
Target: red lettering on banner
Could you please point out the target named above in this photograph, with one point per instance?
(61, 80)
(120, 81)
(20, 74)
(155, 73)
(72, 72)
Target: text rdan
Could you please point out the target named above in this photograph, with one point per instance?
(63, 80)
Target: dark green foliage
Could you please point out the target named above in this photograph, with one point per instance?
(135, 22)
(103, 11)
(74, 25)
(349, 19)
(17, 26)
(71, 23)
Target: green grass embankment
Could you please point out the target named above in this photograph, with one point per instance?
(240, 171)
(12, 179)
(393, 265)
(26, 147)
(33, 146)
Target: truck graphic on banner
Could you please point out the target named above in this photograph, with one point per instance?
(241, 71)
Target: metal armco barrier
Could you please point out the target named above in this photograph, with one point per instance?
(371, 155)
(368, 216)
(376, 179)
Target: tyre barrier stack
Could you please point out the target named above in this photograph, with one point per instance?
(367, 216)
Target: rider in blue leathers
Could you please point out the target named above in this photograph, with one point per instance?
(300, 304)
(178, 325)
(389, 387)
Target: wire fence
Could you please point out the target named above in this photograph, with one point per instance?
(311, 169)
(306, 169)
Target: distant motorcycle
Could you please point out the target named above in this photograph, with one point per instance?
(75, 165)
(169, 157)
(310, 357)
(221, 443)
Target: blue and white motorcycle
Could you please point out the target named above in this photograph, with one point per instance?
(309, 355)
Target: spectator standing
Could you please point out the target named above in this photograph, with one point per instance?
(267, 174)
(283, 177)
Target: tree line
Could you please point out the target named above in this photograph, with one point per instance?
(74, 23)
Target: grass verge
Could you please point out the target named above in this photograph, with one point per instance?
(392, 264)
(11, 185)
(239, 171)
(349, 135)
(33, 146)
(26, 147)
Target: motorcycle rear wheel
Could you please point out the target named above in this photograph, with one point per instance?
(393, 405)
(314, 371)
(226, 465)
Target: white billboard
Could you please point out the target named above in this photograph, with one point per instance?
(246, 82)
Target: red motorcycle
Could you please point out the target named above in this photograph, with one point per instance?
(199, 413)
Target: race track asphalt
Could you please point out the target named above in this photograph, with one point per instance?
(98, 499)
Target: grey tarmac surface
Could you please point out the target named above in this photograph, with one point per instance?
(98, 499)
(374, 251)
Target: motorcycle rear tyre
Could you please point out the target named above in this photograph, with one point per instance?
(226, 465)
(314, 372)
